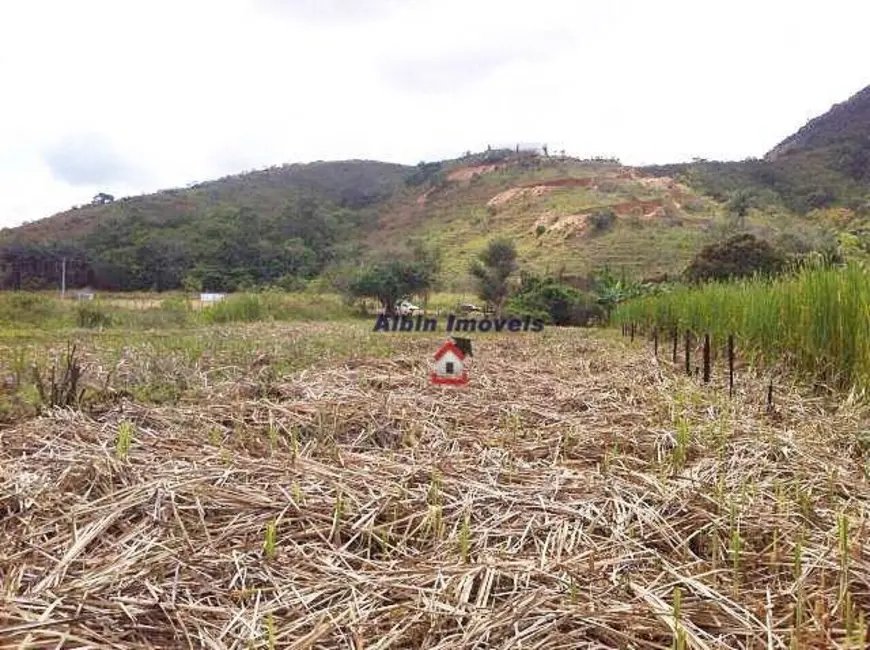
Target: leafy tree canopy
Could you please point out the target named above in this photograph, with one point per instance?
(492, 270)
(225, 249)
(555, 303)
(391, 280)
(738, 256)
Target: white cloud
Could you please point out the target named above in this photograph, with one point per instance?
(175, 92)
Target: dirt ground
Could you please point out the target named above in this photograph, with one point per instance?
(576, 494)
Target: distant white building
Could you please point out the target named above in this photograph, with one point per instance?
(211, 298)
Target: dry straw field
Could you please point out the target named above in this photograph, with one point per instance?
(306, 487)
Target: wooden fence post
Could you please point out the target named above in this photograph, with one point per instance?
(656, 342)
(688, 354)
(632, 332)
(730, 365)
(706, 358)
(676, 340)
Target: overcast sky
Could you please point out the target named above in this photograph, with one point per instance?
(132, 96)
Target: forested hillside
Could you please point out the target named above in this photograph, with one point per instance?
(824, 164)
(287, 225)
(276, 225)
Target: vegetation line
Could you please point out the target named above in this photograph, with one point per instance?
(816, 322)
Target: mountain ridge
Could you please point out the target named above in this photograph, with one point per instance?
(839, 120)
(291, 224)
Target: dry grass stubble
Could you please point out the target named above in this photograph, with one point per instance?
(557, 502)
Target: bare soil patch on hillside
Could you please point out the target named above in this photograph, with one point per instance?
(515, 193)
(643, 209)
(567, 225)
(577, 225)
(421, 200)
(467, 173)
(558, 501)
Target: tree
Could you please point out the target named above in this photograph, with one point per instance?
(611, 291)
(102, 198)
(430, 172)
(40, 266)
(553, 302)
(191, 284)
(738, 256)
(739, 204)
(431, 259)
(492, 271)
(390, 281)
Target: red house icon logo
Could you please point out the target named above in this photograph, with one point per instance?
(449, 366)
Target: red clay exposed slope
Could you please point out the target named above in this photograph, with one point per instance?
(467, 173)
(578, 182)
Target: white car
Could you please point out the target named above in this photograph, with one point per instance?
(405, 308)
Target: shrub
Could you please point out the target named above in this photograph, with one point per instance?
(60, 385)
(540, 230)
(91, 315)
(738, 256)
(739, 203)
(610, 291)
(820, 198)
(798, 245)
(27, 308)
(389, 280)
(694, 205)
(172, 312)
(602, 220)
(239, 308)
(553, 302)
(425, 172)
(292, 283)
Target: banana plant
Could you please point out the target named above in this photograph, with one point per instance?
(611, 291)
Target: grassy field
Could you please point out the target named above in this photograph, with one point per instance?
(300, 484)
(45, 310)
(816, 323)
(460, 218)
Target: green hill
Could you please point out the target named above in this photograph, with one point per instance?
(843, 133)
(825, 164)
(243, 229)
(288, 225)
(353, 184)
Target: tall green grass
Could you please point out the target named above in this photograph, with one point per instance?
(28, 312)
(274, 305)
(28, 309)
(816, 321)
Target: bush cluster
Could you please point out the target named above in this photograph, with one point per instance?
(553, 302)
(738, 256)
